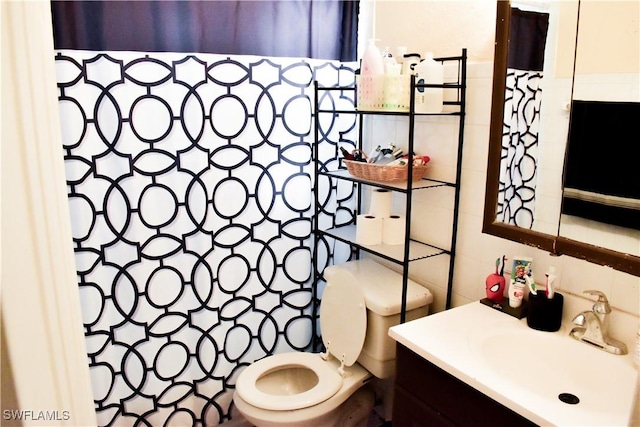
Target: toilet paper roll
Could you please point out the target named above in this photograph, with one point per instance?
(393, 230)
(369, 230)
(380, 203)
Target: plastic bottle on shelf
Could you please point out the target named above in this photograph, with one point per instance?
(372, 60)
(388, 61)
(429, 71)
(371, 80)
(400, 52)
(409, 62)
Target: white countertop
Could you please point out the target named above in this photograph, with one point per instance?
(462, 340)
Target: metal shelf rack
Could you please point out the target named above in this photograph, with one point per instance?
(412, 249)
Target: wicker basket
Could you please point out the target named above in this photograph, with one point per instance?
(383, 173)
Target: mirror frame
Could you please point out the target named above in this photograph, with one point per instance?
(556, 245)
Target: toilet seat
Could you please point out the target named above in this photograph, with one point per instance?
(343, 323)
(329, 381)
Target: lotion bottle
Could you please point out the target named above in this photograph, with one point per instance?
(370, 85)
(372, 60)
(429, 71)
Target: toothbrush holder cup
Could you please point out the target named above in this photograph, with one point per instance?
(545, 314)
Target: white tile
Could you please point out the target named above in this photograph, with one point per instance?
(431, 224)
(469, 278)
(470, 240)
(475, 151)
(441, 197)
(476, 252)
(478, 70)
(432, 273)
(472, 190)
(579, 276)
(478, 102)
(625, 292)
(458, 300)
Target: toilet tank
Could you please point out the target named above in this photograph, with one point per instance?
(382, 289)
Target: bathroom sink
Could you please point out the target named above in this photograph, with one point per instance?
(547, 377)
(555, 370)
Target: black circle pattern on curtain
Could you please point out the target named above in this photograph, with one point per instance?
(519, 154)
(190, 190)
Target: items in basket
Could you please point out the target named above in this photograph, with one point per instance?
(404, 160)
(384, 164)
(381, 155)
(355, 155)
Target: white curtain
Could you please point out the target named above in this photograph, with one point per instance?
(519, 158)
(190, 183)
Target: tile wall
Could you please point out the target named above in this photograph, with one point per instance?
(477, 252)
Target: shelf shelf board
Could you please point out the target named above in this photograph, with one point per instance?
(394, 253)
(395, 112)
(396, 186)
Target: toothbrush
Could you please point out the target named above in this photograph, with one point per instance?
(497, 264)
(531, 284)
(504, 258)
(550, 278)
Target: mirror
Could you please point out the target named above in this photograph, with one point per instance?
(546, 231)
(606, 107)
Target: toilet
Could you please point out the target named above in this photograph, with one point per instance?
(360, 302)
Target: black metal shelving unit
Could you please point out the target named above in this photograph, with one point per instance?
(412, 250)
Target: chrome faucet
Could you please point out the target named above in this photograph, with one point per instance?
(593, 326)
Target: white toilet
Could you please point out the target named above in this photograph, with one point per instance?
(361, 301)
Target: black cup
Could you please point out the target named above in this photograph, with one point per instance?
(545, 314)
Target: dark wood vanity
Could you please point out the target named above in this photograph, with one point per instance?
(425, 395)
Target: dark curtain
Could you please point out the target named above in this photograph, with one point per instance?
(325, 29)
(527, 39)
(601, 179)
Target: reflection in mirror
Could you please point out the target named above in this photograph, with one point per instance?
(522, 100)
(554, 114)
(601, 198)
(536, 117)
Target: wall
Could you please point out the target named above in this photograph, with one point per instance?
(606, 24)
(441, 27)
(402, 22)
(606, 74)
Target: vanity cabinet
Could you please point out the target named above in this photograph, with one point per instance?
(412, 249)
(425, 395)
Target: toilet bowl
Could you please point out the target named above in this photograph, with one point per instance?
(330, 389)
(282, 387)
(289, 381)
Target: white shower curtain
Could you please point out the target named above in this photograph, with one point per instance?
(190, 185)
(518, 166)
(521, 121)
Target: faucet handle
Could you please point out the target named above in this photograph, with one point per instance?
(602, 305)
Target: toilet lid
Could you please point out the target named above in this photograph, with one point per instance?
(343, 317)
